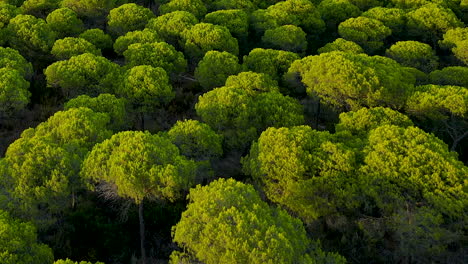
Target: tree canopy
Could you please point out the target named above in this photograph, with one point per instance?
(226, 213)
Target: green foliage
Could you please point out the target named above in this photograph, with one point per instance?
(98, 38)
(42, 166)
(91, 8)
(12, 59)
(305, 170)
(83, 74)
(398, 185)
(226, 213)
(18, 243)
(456, 75)
(104, 103)
(246, 5)
(453, 37)
(146, 88)
(367, 32)
(301, 13)
(274, 63)
(14, 94)
(252, 82)
(350, 81)
(439, 102)
(287, 37)
(139, 165)
(39, 8)
(30, 35)
(236, 20)
(7, 12)
(418, 166)
(66, 48)
(158, 54)
(215, 67)
(431, 21)
(195, 7)
(248, 104)
(170, 26)
(367, 4)
(139, 36)
(414, 54)
(65, 22)
(365, 119)
(393, 18)
(68, 261)
(196, 140)
(340, 44)
(336, 11)
(204, 37)
(128, 17)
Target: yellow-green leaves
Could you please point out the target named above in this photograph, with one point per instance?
(140, 166)
(18, 243)
(227, 222)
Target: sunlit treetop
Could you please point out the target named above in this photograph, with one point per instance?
(196, 140)
(351, 81)
(272, 62)
(30, 35)
(431, 21)
(64, 49)
(341, 44)
(128, 17)
(104, 103)
(362, 121)
(454, 75)
(236, 20)
(96, 36)
(14, 93)
(138, 36)
(227, 222)
(157, 54)
(83, 74)
(414, 54)
(140, 166)
(204, 37)
(11, 58)
(170, 26)
(65, 22)
(215, 67)
(195, 7)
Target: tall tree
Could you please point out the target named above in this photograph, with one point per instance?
(14, 93)
(369, 33)
(170, 26)
(64, 49)
(227, 222)
(350, 81)
(140, 166)
(83, 74)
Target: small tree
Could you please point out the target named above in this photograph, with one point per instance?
(14, 93)
(288, 38)
(414, 54)
(215, 67)
(65, 22)
(367, 32)
(66, 48)
(170, 26)
(128, 17)
(140, 166)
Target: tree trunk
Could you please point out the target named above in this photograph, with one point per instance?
(317, 116)
(142, 116)
(142, 233)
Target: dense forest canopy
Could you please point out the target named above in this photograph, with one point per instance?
(233, 131)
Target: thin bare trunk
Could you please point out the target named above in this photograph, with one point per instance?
(142, 233)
